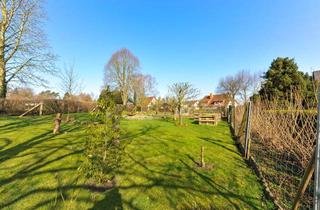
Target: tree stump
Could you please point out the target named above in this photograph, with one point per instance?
(57, 123)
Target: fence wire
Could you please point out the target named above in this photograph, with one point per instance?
(282, 142)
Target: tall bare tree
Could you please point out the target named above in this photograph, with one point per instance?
(182, 91)
(120, 71)
(24, 53)
(143, 85)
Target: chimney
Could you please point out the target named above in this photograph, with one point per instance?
(211, 95)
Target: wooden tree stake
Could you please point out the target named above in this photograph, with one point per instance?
(202, 164)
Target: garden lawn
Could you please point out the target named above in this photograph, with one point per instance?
(158, 169)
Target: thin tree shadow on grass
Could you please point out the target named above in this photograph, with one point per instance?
(12, 152)
(20, 123)
(220, 143)
(169, 183)
(4, 142)
(227, 194)
(45, 149)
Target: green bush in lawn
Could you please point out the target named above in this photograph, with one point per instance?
(103, 148)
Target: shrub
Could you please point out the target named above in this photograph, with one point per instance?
(103, 148)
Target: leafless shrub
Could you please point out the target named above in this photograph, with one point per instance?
(51, 106)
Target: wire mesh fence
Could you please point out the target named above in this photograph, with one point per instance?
(240, 117)
(283, 137)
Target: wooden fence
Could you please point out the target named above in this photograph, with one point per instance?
(49, 106)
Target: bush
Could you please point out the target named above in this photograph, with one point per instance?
(103, 149)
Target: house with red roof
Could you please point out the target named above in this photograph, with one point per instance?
(216, 101)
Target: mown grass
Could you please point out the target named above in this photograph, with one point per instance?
(158, 169)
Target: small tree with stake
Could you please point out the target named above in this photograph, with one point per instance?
(103, 149)
(182, 91)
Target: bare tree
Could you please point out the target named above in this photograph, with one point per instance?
(21, 93)
(250, 83)
(182, 92)
(120, 71)
(169, 104)
(70, 81)
(24, 53)
(158, 104)
(230, 85)
(143, 85)
(256, 82)
(70, 84)
(246, 84)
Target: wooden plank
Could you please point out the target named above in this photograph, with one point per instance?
(30, 110)
(316, 196)
(304, 182)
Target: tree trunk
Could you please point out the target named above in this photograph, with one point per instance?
(3, 84)
(124, 98)
(57, 123)
(180, 117)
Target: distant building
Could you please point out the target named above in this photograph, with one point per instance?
(148, 103)
(216, 101)
(192, 104)
(220, 100)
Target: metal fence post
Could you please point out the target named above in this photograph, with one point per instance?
(316, 196)
(248, 127)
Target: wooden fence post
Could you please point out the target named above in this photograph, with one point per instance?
(234, 118)
(41, 109)
(316, 196)
(247, 130)
(304, 182)
(229, 114)
(242, 128)
(202, 157)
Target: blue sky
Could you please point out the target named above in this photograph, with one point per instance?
(184, 40)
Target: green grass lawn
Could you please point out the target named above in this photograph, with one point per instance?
(158, 170)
